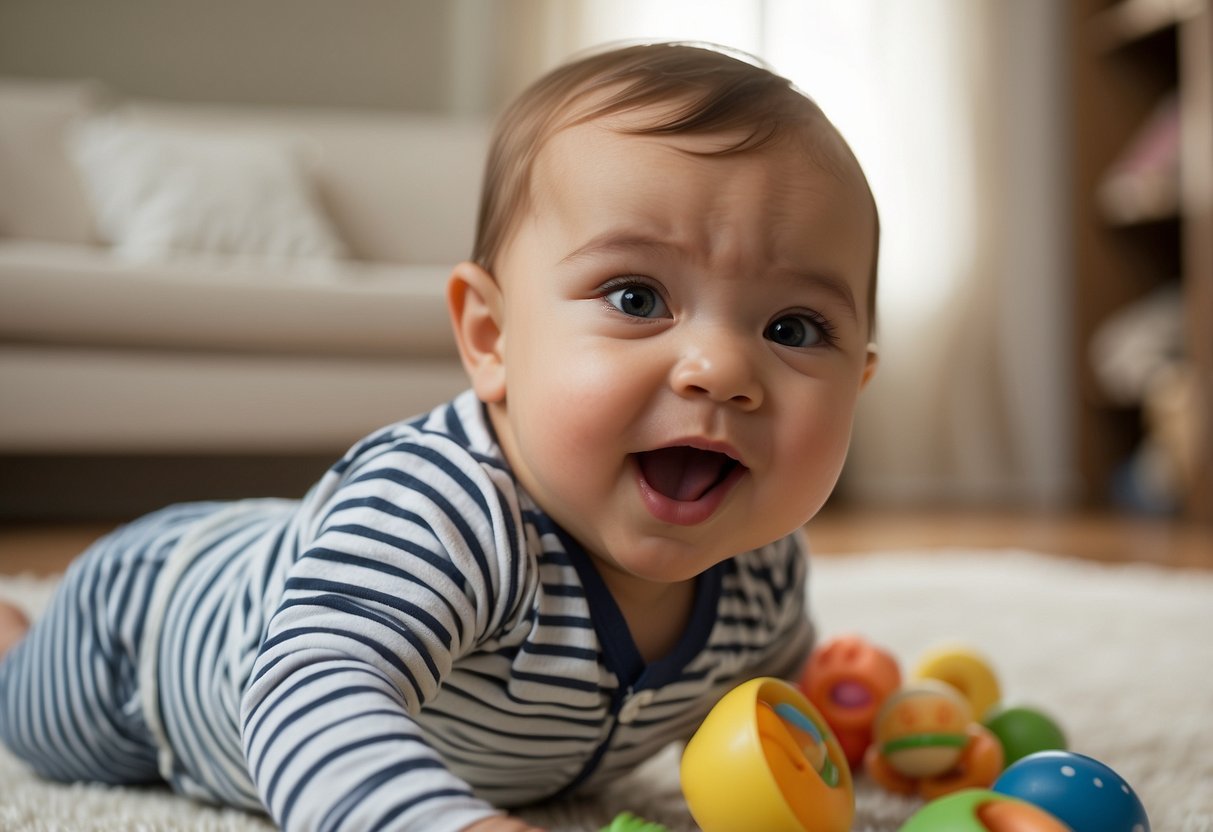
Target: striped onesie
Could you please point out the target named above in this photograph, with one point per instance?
(410, 645)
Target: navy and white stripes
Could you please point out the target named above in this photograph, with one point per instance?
(409, 646)
(69, 698)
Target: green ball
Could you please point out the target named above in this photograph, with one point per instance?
(972, 810)
(1024, 731)
(956, 812)
(627, 822)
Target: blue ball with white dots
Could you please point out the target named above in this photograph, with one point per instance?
(1078, 790)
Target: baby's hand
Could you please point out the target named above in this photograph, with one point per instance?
(503, 823)
(13, 626)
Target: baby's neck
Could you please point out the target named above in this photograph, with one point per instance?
(657, 614)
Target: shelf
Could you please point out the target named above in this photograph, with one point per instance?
(1142, 73)
(1133, 20)
(1143, 184)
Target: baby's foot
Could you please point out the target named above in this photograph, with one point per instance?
(13, 626)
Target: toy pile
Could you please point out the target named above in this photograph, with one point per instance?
(779, 758)
(944, 736)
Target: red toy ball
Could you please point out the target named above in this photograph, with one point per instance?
(848, 679)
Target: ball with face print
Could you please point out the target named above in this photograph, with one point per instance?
(921, 730)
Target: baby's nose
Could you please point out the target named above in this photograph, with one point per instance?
(720, 369)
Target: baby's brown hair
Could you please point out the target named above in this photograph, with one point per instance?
(707, 89)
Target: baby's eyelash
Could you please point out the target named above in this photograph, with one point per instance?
(828, 330)
(627, 280)
(639, 300)
(789, 328)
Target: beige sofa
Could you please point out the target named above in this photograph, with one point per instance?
(110, 349)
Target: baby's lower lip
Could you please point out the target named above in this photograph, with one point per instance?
(687, 512)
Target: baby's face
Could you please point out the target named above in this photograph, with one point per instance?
(684, 338)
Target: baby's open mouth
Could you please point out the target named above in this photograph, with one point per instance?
(684, 473)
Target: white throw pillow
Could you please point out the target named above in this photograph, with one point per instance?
(162, 191)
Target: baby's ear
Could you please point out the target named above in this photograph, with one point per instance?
(475, 304)
(869, 367)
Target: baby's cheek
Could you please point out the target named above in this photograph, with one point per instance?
(568, 418)
(599, 398)
(813, 451)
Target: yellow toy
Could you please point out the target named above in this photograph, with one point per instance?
(765, 759)
(964, 669)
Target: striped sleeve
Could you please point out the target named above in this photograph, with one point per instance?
(415, 561)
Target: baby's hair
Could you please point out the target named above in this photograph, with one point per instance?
(708, 90)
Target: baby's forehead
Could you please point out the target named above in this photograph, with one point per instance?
(782, 204)
(813, 145)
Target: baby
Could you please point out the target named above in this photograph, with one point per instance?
(531, 589)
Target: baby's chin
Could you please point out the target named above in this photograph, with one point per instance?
(664, 560)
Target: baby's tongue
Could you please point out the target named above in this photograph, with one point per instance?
(682, 473)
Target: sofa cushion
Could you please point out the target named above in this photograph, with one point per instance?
(158, 192)
(57, 294)
(398, 187)
(64, 400)
(41, 197)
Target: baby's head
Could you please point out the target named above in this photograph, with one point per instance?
(669, 89)
(670, 302)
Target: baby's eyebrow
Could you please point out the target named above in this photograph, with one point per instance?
(832, 285)
(614, 241)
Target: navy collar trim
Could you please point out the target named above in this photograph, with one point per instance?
(619, 649)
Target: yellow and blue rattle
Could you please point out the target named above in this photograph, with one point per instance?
(764, 758)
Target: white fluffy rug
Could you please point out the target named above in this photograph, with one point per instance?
(1121, 656)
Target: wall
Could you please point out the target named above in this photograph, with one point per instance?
(392, 54)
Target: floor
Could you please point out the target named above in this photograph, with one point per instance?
(46, 549)
(1093, 535)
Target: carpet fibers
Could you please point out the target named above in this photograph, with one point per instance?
(1122, 657)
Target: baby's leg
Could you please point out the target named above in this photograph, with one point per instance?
(13, 627)
(69, 699)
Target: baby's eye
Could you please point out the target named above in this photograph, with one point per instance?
(637, 300)
(797, 331)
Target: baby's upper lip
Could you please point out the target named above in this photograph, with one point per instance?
(704, 444)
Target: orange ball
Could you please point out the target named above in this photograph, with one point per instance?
(848, 679)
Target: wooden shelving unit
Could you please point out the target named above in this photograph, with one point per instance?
(1128, 58)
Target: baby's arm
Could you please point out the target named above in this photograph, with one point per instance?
(372, 619)
(328, 734)
(503, 824)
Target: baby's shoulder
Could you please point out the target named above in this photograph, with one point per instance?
(772, 572)
(789, 550)
(442, 467)
(455, 436)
